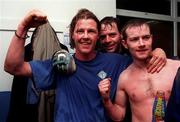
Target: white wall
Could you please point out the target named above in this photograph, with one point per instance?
(59, 12)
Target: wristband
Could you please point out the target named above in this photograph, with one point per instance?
(27, 36)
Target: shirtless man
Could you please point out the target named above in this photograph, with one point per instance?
(135, 83)
(110, 41)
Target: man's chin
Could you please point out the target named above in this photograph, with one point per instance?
(143, 58)
(110, 50)
(86, 51)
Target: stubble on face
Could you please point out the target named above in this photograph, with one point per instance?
(110, 37)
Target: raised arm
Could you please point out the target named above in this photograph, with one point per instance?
(117, 109)
(14, 62)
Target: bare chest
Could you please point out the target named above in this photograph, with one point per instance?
(145, 86)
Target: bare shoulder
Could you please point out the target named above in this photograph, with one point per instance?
(173, 63)
(124, 76)
(171, 66)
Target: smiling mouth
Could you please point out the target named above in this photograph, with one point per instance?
(109, 47)
(142, 50)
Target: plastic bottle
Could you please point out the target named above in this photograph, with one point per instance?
(159, 106)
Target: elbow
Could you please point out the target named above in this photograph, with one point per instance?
(118, 115)
(10, 68)
(118, 119)
(20, 69)
(6, 67)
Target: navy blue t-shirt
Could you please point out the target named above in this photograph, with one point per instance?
(77, 95)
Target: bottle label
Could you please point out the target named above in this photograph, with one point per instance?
(159, 107)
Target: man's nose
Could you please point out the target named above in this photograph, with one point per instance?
(141, 41)
(107, 39)
(85, 35)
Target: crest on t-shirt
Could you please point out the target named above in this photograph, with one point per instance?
(102, 74)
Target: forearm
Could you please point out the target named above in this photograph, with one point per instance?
(14, 62)
(156, 61)
(115, 112)
(15, 54)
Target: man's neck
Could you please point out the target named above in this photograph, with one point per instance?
(85, 57)
(140, 64)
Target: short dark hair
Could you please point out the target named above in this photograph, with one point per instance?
(82, 14)
(134, 23)
(109, 20)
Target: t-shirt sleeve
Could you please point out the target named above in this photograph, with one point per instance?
(43, 75)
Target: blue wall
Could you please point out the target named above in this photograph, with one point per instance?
(4, 105)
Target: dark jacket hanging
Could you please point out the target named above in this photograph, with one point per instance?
(44, 43)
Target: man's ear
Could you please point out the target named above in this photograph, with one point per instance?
(124, 43)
